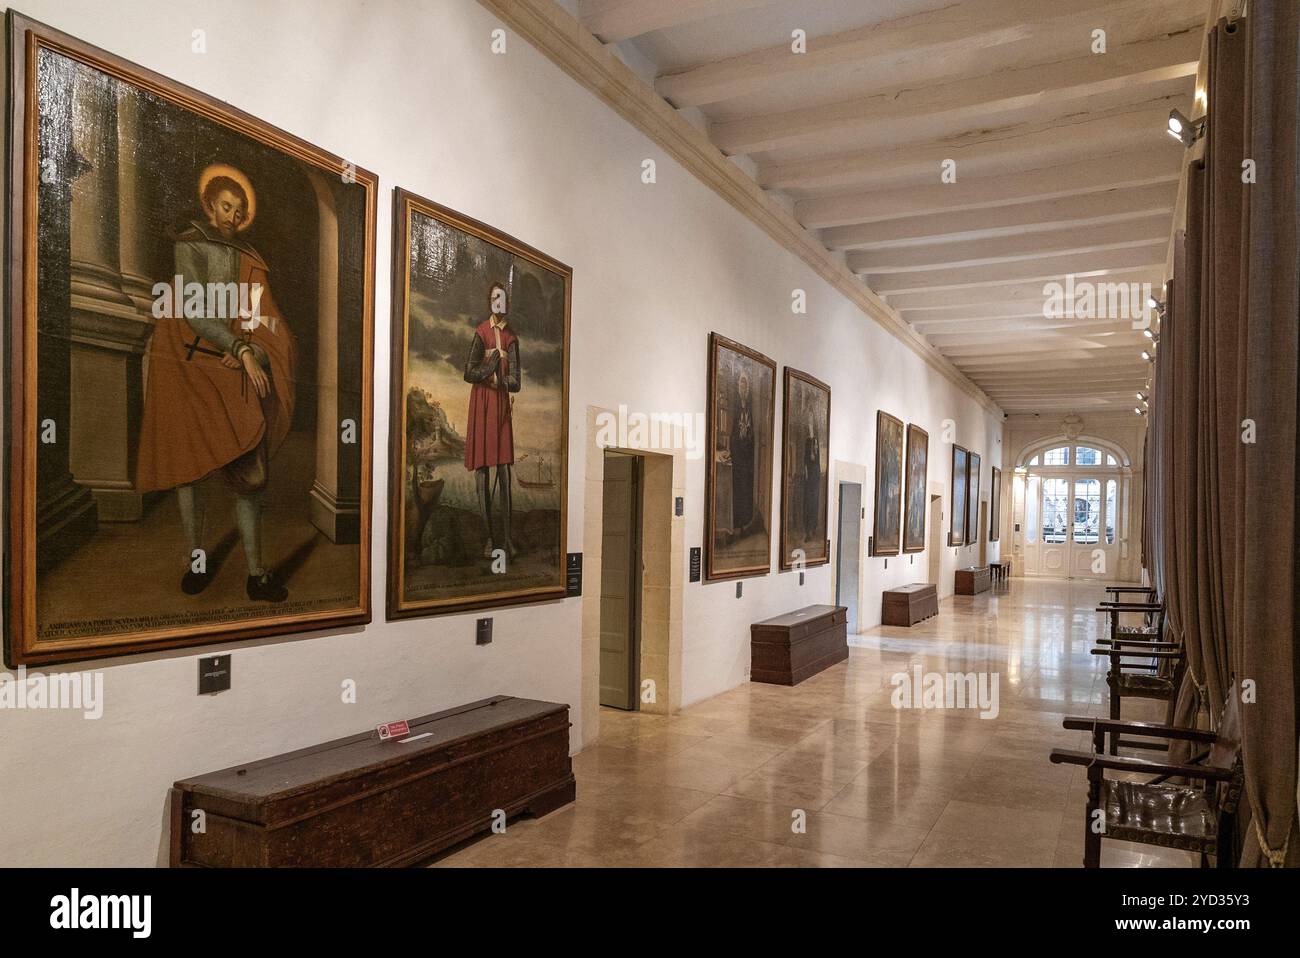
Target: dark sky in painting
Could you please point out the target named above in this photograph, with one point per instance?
(451, 275)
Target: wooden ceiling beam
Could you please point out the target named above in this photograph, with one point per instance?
(1006, 249)
(612, 21)
(1058, 85)
(1114, 171)
(925, 45)
(1019, 219)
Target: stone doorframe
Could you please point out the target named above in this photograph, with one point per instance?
(663, 549)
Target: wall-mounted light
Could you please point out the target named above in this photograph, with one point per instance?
(1155, 306)
(1151, 334)
(1142, 396)
(1147, 356)
(1139, 410)
(1184, 130)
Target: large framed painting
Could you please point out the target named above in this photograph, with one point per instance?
(888, 525)
(957, 521)
(478, 454)
(189, 333)
(914, 488)
(805, 440)
(995, 497)
(973, 496)
(738, 484)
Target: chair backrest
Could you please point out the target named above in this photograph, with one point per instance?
(1226, 751)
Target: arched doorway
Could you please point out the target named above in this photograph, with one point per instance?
(1072, 502)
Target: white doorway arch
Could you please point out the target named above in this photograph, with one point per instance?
(1072, 507)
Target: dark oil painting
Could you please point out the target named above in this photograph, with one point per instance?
(805, 461)
(191, 445)
(914, 507)
(738, 493)
(478, 463)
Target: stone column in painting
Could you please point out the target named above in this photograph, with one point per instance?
(336, 491)
(111, 316)
(65, 511)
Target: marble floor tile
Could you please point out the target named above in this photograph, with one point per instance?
(829, 773)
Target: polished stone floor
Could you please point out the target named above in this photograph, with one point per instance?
(830, 773)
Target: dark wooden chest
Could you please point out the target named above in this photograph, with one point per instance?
(909, 604)
(359, 802)
(791, 647)
(972, 580)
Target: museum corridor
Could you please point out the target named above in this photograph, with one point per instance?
(719, 783)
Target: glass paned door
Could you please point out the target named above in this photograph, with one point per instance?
(1057, 512)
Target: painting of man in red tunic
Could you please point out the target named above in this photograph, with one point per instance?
(492, 370)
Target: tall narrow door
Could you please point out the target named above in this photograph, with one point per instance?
(620, 581)
(935, 541)
(848, 548)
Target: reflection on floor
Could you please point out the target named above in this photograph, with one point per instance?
(725, 782)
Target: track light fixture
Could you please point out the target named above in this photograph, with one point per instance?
(1184, 130)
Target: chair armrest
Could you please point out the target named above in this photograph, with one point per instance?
(1141, 644)
(1130, 607)
(1128, 588)
(1117, 653)
(1087, 723)
(1122, 763)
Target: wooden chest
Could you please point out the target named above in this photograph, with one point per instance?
(972, 580)
(909, 604)
(360, 802)
(791, 647)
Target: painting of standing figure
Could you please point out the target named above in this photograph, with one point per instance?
(738, 494)
(191, 337)
(914, 508)
(478, 459)
(805, 439)
(958, 499)
(889, 485)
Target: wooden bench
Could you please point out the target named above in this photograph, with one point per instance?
(359, 802)
(789, 648)
(972, 580)
(909, 604)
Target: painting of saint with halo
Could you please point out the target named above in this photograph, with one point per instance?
(190, 448)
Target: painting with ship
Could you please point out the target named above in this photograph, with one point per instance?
(479, 453)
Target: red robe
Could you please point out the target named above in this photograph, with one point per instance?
(199, 415)
(489, 439)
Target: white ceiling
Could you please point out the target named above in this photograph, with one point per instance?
(1062, 162)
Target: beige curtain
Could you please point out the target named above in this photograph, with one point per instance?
(1266, 569)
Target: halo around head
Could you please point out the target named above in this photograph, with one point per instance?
(225, 169)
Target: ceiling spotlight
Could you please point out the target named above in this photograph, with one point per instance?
(1147, 356)
(1184, 130)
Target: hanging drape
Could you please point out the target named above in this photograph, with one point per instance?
(1222, 481)
(1218, 431)
(1265, 575)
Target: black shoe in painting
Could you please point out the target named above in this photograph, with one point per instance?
(192, 583)
(266, 588)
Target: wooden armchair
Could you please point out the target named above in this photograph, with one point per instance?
(1196, 817)
(1153, 620)
(1141, 669)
